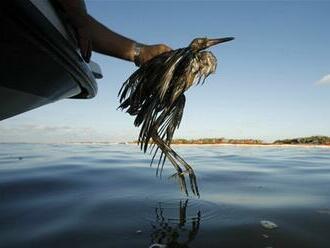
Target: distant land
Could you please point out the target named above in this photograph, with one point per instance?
(312, 140)
(211, 141)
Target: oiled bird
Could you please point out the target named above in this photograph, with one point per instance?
(155, 95)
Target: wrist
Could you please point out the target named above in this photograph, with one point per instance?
(137, 50)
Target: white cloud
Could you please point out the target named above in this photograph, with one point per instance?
(46, 133)
(324, 80)
(54, 133)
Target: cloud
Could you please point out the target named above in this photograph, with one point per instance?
(49, 133)
(324, 80)
(46, 133)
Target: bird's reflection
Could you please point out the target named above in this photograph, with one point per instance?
(175, 231)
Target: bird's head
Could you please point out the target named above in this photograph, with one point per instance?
(203, 43)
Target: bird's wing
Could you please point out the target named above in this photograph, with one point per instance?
(145, 92)
(143, 84)
(167, 72)
(173, 119)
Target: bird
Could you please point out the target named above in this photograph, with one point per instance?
(154, 94)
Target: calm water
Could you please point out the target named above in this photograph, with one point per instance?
(108, 196)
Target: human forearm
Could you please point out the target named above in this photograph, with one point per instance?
(110, 43)
(107, 42)
(103, 39)
(92, 35)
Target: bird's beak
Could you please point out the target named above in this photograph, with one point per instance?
(212, 42)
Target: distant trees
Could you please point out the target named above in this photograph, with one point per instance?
(312, 140)
(217, 141)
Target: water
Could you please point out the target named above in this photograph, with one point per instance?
(108, 196)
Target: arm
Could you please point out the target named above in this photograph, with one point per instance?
(93, 35)
(107, 42)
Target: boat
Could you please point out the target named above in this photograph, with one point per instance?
(40, 62)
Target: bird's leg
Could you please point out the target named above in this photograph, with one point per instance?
(167, 153)
(182, 161)
(188, 168)
(191, 173)
(175, 158)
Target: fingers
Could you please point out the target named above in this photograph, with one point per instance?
(85, 49)
(84, 44)
(165, 48)
(159, 49)
(149, 52)
(89, 52)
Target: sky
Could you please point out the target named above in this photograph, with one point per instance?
(272, 81)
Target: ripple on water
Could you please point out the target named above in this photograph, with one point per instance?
(102, 194)
(183, 210)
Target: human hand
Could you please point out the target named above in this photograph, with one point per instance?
(84, 42)
(80, 23)
(150, 51)
(77, 16)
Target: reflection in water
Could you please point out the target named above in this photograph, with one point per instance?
(176, 231)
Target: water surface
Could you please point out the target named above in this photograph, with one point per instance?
(108, 196)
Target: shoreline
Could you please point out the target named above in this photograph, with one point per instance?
(259, 145)
(183, 145)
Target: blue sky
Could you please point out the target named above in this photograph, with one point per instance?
(273, 80)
